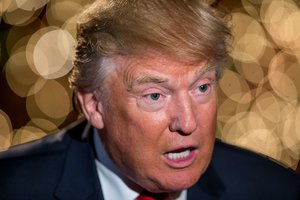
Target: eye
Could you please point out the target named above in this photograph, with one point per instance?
(152, 100)
(203, 88)
(154, 96)
(203, 92)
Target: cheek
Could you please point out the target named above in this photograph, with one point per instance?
(148, 125)
(208, 115)
(207, 127)
(132, 133)
(151, 121)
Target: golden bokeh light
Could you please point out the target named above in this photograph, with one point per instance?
(27, 134)
(31, 44)
(43, 124)
(251, 71)
(38, 85)
(268, 106)
(232, 130)
(70, 26)
(276, 18)
(14, 47)
(52, 101)
(59, 11)
(227, 109)
(264, 141)
(250, 8)
(283, 76)
(31, 5)
(244, 47)
(294, 41)
(291, 134)
(234, 86)
(16, 15)
(6, 131)
(283, 85)
(19, 77)
(52, 54)
(255, 2)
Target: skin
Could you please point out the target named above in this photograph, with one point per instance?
(154, 105)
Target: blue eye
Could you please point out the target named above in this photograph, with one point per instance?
(154, 96)
(203, 88)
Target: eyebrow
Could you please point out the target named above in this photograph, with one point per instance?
(147, 78)
(201, 72)
(151, 78)
(208, 68)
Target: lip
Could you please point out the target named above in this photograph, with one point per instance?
(181, 157)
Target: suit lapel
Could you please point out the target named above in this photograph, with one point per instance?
(79, 176)
(209, 187)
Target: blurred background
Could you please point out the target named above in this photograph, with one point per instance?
(258, 93)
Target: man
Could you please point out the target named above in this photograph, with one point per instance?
(145, 74)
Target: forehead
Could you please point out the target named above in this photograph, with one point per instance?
(131, 68)
(153, 61)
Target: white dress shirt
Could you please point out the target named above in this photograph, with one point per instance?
(113, 186)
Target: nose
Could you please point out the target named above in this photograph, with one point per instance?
(183, 118)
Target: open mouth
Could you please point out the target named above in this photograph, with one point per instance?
(180, 154)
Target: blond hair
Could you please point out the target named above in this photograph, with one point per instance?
(187, 30)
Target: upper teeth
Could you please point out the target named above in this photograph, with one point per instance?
(175, 156)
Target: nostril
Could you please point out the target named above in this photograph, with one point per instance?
(181, 129)
(174, 126)
(183, 125)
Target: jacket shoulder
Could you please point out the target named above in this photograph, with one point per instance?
(245, 172)
(36, 164)
(237, 156)
(53, 142)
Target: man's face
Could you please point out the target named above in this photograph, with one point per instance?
(159, 120)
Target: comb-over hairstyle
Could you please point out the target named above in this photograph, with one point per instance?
(185, 30)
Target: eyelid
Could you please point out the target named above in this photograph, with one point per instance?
(148, 88)
(145, 102)
(209, 75)
(205, 81)
(151, 93)
(153, 90)
(147, 79)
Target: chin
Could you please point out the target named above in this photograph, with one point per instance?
(180, 181)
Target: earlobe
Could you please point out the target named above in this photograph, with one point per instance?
(92, 108)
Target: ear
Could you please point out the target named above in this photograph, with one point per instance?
(92, 108)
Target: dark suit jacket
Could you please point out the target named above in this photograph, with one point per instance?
(61, 166)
